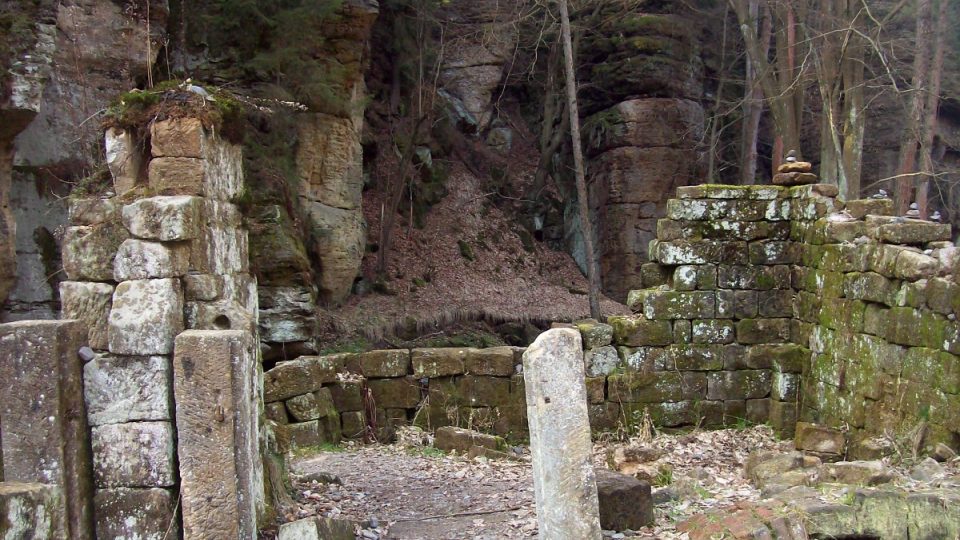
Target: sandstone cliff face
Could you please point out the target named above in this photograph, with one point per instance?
(645, 121)
(83, 54)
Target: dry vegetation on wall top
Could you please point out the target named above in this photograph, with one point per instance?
(218, 109)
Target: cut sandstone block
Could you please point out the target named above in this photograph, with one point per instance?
(143, 513)
(89, 303)
(88, 251)
(147, 315)
(44, 429)
(138, 259)
(136, 454)
(301, 376)
(438, 362)
(215, 382)
(120, 389)
(178, 137)
(167, 218)
(31, 511)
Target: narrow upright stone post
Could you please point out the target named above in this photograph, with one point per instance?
(215, 386)
(45, 438)
(564, 482)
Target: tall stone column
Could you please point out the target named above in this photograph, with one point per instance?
(215, 388)
(564, 482)
(44, 437)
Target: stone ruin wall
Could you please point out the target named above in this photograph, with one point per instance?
(760, 307)
(160, 309)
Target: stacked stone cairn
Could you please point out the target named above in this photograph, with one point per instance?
(168, 253)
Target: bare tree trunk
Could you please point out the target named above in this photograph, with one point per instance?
(753, 98)
(911, 135)
(572, 110)
(929, 126)
(854, 118)
(395, 194)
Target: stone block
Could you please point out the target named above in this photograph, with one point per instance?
(202, 287)
(844, 258)
(450, 438)
(144, 513)
(653, 387)
(565, 488)
(136, 454)
(222, 245)
(625, 502)
(44, 425)
(287, 314)
(301, 376)
(913, 232)
(682, 331)
(914, 327)
(775, 303)
(785, 358)
(400, 393)
(870, 286)
(713, 331)
(750, 331)
(178, 137)
(783, 417)
(685, 278)
(92, 211)
(652, 275)
(216, 384)
(476, 391)
(120, 389)
(353, 425)
(943, 296)
(770, 252)
(785, 386)
(601, 361)
(860, 208)
(164, 218)
(693, 385)
(139, 259)
(822, 439)
(594, 334)
(90, 304)
(32, 511)
(714, 191)
(638, 331)
(758, 411)
(596, 389)
(913, 266)
(438, 362)
(347, 396)
(700, 357)
(147, 315)
(680, 305)
(176, 176)
(736, 385)
(317, 528)
(276, 412)
(493, 361)
(123, 157)
(88, 251)
(307, 434)
(386, 363)
(794, 178)
(813, 191)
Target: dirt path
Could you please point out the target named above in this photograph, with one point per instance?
(420, 496)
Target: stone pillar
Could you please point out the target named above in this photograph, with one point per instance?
(44, 436)
(563, 478)
(215, 388)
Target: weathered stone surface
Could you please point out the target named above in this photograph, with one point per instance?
(794, 178)
(386, 363)
(637, 331)
(713, 191)
(120, 389)
(176, 176)
(92, 211)
(177, 137)
(147, 315)
(138, 259)
(438, 362)
(222, 246)
(680, 305)
(88, 251)
(796, 166)
(317, 528)
(743, 384)
(90, 304)
(400, 393)
(287, 314)
(859, 208)
(128, 513)
(347, 396)
(312, 406)
(492, 361)
(712, 331)
(564, 480)
(135, 454)
(329, 160)
(913, 232)
(450, 438)
(216, 385)
(352, 424)
(44, 425)
(339, 242)
(303, 375)
(123, 159)
(31, 511)
(860, 473)
(601, 361)
(594, 334)
(654, 387)
(164, 218)
(625, 502)
(819, 439)
(751, 331)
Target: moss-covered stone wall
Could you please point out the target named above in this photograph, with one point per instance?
(764, 304)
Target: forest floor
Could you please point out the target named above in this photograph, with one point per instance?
(472, 259)
(417, 492)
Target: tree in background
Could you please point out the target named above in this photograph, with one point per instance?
(593, 275)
